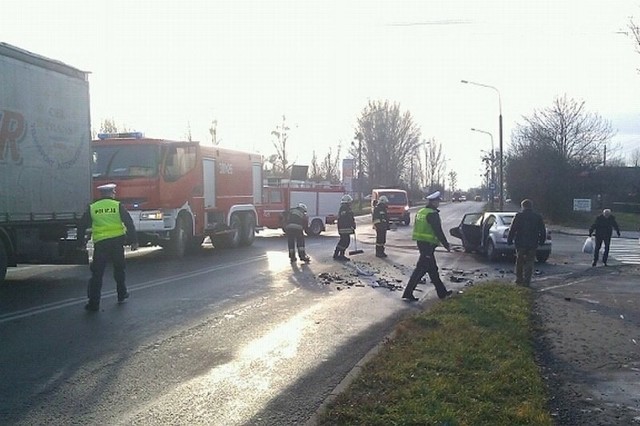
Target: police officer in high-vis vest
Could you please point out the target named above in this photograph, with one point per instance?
(427, 231)
(111, 227)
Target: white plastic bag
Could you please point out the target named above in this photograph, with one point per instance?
(588, 245)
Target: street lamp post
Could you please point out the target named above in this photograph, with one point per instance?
(501, 196)
(360, 138)
(492, 168)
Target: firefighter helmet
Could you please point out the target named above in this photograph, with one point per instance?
(346, 198)
(383, 199)
(302, 207)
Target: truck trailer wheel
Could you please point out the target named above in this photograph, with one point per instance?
(315, 228)
(248, 230)
(3, 262)
(180, 237)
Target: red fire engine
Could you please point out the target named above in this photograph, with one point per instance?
(322, 201)
(178, 193)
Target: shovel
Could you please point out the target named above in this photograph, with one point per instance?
(355, 242)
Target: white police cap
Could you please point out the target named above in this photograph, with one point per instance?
(107, 187)
(434, 196)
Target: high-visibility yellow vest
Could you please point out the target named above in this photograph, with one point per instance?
(105, 220)
(422, 230)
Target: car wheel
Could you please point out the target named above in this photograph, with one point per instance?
(4, 260)
(542, 256)
(492, 254)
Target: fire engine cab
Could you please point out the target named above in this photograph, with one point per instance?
(179, 193)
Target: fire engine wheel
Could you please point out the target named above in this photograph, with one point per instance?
(315, 228)
(180, 237)
(3, 262)
(248, 230)
(234, 237)
(195, 244)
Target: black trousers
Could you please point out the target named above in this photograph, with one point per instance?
(295, 238)
(105, 251)
(343, 243)
(596, 249)
(381, 237)
(426, 265)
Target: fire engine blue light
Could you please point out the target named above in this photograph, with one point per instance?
(124, 135)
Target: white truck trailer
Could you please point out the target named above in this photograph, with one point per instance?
(45, 159)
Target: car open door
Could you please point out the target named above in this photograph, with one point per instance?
(469, 231)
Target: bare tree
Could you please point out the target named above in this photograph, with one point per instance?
(188, 136)
(575, 135)
(635, 157)
(213, 131)
(330, 166)
(435, 165)
(634, 31)
(109, 125)
(453, 181)
(281, 133)
(390, 140)
(315, 174)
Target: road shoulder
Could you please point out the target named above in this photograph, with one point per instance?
(588, 345)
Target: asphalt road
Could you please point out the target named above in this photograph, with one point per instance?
(226, 337)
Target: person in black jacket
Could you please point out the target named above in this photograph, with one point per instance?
(381, 224)
(346, 227)
(111, 229)
(296, 222)
(527, 231)
(603, 228)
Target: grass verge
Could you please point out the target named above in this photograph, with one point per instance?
(467, 361)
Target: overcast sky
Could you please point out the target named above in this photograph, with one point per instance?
(158, 65)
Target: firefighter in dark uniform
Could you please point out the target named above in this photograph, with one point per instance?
(381, 225)
(427, 231)
(111, 227)
(346, 227)
(296, 223)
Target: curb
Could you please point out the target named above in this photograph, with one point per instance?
(349, 378)
(424, 303)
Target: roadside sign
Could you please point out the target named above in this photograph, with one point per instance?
(581, 204)
(492, 186)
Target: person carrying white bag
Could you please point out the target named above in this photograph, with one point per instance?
(603, 227)
(587, 247)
